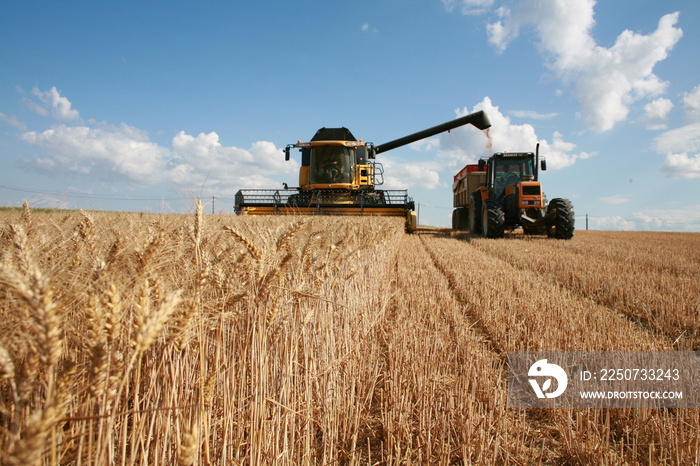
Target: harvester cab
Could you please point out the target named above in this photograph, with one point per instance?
(338, 176)
(504, 192)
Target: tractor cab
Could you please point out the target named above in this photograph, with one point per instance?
(506, 169)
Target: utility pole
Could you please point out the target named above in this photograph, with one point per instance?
(212, 205)
(586, 222)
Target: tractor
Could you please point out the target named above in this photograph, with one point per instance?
(503, 193)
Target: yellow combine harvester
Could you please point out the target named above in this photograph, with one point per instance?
(338, 176)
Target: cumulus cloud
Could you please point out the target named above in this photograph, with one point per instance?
(656, 114)
(612, 223)
(203, 158)
(615, 199)
(682, 165)
(681, 146)
(684, 219)
(605, 81)
(110, 153)
(532, 114)
(54, 103)
(469, 7)
(467, 144)
(691, 104)
(402, 175)
(13, 121)
(125, 154)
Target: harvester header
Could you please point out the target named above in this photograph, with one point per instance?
(338, 177)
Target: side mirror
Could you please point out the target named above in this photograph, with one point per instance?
(286, 153)
(543, 164)
(482, 165)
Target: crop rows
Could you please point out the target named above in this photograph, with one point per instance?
(155, 339)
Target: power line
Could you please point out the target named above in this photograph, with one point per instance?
(98, 196)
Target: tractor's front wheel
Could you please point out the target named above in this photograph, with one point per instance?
(492, 219)
(561, 219)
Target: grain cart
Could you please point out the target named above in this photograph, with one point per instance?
(338, 176)
(503, 192)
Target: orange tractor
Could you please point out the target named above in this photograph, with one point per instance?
(503, 192)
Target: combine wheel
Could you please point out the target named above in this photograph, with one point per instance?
(411, 222)
(492, 220)
(561, 224)
(475, 213)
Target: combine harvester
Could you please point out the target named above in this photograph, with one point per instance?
(338, 176)
(503, 192)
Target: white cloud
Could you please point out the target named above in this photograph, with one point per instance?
(682, 165)
(402, 175)
(683, 139)
(13, 121)
(469, 7)
(109, 153)
(59, 106)
(35, 107)
(203, 159)
(615, 199)
(467, 144)
(612, 223)
(685, 219)
(682, 149)
(125, 154)
(656, 114)
(691, 104)
(606, 81)
(532, 114)
(366, 27)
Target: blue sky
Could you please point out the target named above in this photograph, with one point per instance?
(143, 106)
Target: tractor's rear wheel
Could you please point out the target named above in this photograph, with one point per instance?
(459, 218)
(474, 222)
(492, 220)
(561, 223)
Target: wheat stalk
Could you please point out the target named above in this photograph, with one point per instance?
(255, 252)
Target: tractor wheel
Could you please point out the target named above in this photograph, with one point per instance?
(492, 220)
(459, 218)
(561, 223)
(474, 222)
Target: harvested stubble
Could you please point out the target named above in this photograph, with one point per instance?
(128, 338)
(652, 278)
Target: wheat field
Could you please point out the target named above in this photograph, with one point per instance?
(201, 339)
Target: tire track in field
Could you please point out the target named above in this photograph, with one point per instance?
(542, 425)
(476, 322)
(522, 312)
(443, 381)
(650, 299)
